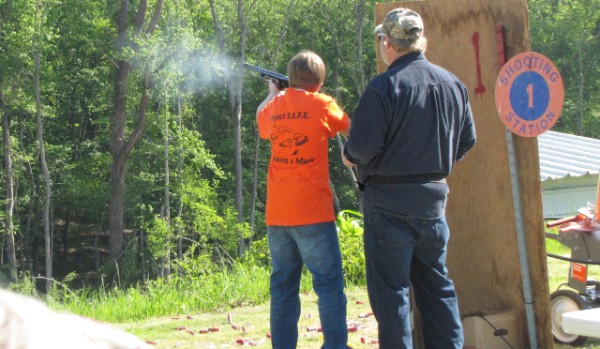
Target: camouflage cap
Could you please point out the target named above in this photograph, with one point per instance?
(401, 24)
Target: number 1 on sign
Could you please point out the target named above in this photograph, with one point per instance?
(530, 94)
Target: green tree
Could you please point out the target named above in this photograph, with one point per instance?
(13, 62)
(153, 91)
(568, 32)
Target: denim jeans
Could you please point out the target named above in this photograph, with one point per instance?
(317, 246)
(400, 250)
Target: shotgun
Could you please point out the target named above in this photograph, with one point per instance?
(280, 79)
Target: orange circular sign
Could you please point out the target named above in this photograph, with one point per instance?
(529, 94)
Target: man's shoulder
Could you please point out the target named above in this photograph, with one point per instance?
(382, 81)
(442, 71)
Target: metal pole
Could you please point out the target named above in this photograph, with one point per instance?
(527, 295)
(597, 207)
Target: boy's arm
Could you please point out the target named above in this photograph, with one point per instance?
(345, 132)
(273, 92)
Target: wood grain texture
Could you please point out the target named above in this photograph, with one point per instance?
(483, 256)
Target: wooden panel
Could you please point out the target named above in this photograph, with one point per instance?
(483, 256)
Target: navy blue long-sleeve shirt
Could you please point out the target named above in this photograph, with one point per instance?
(413, 120)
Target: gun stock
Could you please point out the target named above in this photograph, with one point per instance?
(281, 80)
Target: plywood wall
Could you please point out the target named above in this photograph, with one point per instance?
(483, 256)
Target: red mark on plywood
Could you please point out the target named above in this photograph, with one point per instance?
(480, 89)
(500, 45)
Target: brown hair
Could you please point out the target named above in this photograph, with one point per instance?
(401, 46)
(306, 70)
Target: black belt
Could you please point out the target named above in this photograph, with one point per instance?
(421, 178)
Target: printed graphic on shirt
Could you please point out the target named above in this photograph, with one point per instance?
(286, 146)
(290, 116)
(286, 142)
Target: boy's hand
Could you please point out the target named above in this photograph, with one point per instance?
(273, 92)
(273, 88)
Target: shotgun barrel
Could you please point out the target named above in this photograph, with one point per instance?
(281, 80)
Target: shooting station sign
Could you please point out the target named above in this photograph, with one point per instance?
(529, 94)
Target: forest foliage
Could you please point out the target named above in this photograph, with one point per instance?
(150, 99)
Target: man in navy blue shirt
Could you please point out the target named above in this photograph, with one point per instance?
(412, 123)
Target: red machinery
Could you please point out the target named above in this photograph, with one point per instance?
(581, 233)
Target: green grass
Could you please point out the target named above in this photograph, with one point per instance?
(175, 314)
(249, 325)
(240, 286)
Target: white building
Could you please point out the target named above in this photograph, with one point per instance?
(569, 168)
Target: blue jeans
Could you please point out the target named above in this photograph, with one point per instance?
(317, 246)
(400, 250)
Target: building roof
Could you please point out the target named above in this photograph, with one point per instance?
(564, 155)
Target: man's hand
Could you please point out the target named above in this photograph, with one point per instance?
(347, 162)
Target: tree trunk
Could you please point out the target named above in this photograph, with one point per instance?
(235, 99)
(359, 82)
(10, 203)
(167, 213)
(235, 96)
(30, 237)
(37, 45)
(121, 151)
(117, 181)
(143, 259)
(180, 175)
(254, 184)
(360, 25)
(336, 200)
(121, 147)
(351, 174)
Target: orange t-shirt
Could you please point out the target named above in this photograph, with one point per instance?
(299, 124)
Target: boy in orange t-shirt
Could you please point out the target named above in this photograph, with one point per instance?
(300, 217)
